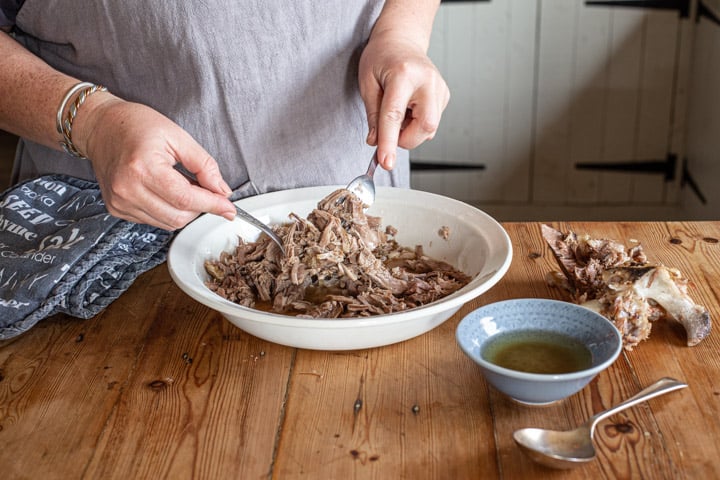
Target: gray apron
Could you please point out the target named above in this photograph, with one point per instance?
(268, 87)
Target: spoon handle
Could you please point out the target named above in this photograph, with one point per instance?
(661, 387)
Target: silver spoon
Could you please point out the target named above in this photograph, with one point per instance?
(364, 185)
(572, 448)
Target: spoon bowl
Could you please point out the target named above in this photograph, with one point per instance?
(557, 449)
(572, 448)
(364, 185)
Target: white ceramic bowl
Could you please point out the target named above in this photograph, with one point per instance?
(477, 245)
(596, 332)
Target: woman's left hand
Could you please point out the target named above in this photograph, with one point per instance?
(404, 94)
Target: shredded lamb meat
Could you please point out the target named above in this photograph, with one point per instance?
(623, 286)
(444, 232)
(339, 263)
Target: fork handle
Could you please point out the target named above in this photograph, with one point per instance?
(262, 226)
(373, 165)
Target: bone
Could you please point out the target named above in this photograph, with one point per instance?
(660, 286)
(622, 285)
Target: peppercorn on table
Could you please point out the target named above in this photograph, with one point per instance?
(159, 386)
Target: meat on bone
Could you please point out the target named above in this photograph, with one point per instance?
(620, 284)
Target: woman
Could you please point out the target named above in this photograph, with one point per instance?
(248, 96)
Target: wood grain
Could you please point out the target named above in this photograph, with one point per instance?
(159, 386)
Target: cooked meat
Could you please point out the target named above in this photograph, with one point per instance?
(622, 285)
(444, 232)
(339, 263)
(583, 259)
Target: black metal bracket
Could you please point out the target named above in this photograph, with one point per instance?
(665, 167)
(704, 12)
(682, 6)
(438, 166)
(688, 180)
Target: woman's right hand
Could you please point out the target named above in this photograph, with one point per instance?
(133, 150)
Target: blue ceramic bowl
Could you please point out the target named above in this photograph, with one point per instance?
(594, 331)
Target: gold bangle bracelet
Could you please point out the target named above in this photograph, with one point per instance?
(82, 90)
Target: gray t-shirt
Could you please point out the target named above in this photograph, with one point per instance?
(268, 87)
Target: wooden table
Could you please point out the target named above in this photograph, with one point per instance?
(158, 386)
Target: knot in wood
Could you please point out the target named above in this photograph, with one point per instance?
(158, 385)
(624, 428)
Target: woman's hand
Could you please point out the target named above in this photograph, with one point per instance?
(133, 150)
(403, 91)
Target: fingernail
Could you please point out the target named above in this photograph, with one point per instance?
(224, 188)
(371, 137)
(390, 161)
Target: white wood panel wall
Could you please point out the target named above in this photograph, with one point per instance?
(622, 98)
(591, 58)
(538, 86)
(486, 52)
(704, 121)
(659, 66)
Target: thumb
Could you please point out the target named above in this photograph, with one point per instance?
(372, 98)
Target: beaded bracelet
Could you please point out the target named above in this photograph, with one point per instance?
(64, 128)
